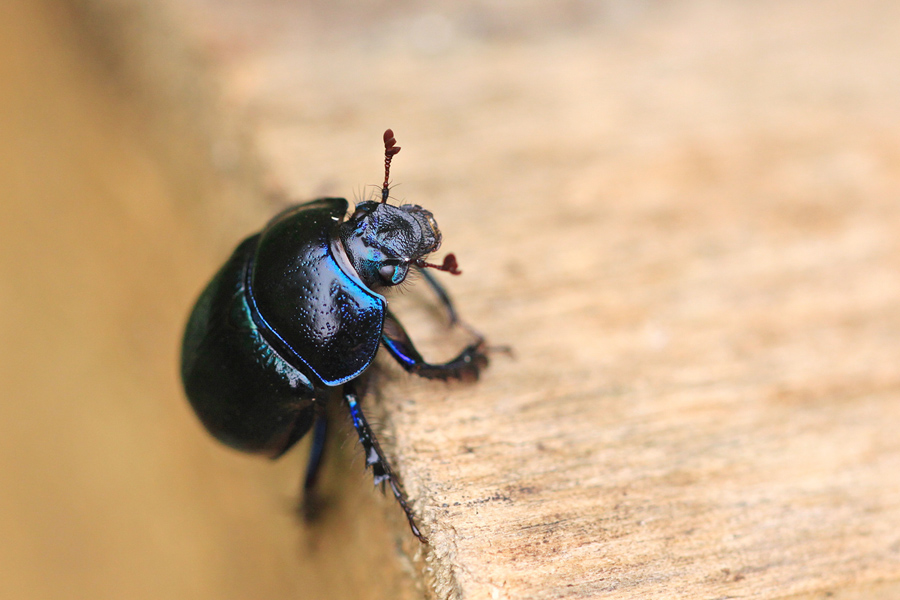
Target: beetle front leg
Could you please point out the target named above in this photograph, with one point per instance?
(442, 295)
(447, 303)
(375, 458)
(467, 365)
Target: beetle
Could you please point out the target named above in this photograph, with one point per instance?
(295, 317)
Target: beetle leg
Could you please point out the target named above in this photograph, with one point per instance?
(442, 295)
(311, 500)
(320, 430)
(375, 458)
(445, 300)
(467, 365)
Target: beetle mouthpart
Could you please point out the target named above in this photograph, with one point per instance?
(432, 224)
(429, 234)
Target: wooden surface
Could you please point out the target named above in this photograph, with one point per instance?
(683, 219)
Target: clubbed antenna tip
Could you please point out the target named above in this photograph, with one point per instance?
(390, 149)
(449, 265)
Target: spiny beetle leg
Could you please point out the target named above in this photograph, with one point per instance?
(375, 458)
(467, 365)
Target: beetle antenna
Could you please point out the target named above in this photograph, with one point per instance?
(390, 149)
(448, 265)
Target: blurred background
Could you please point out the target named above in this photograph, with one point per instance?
(626, 140)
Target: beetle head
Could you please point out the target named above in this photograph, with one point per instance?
(382, 241)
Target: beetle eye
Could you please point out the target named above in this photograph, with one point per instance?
(387, 273)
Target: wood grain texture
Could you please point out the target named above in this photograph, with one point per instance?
(683, 219)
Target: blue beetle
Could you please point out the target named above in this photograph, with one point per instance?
(296, 316)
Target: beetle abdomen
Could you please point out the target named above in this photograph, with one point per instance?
(245, 394)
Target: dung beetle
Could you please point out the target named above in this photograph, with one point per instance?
(296, 316)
